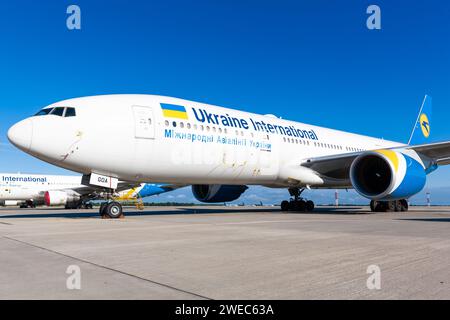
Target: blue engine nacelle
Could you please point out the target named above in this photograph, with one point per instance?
(387, 175)
(214, 193)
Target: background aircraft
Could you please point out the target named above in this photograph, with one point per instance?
(56, 190)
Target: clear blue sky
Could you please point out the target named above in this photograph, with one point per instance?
(311, 61)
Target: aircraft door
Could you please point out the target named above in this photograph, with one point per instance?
(144, 122)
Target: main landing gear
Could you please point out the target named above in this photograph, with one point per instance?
(28, 204)
(386, 206)
(296, 203)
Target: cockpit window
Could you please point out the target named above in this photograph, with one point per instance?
(59, 111)
(44, 112)
(70, 112)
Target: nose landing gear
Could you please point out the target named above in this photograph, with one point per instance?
(296, 203)
(111, 209)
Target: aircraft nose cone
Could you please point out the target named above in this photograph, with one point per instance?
(21, 134)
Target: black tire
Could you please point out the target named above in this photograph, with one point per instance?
(380, 206)
(285, 205)
(300, 205)
(114, 210)
(102, 208)
(373, 205)
(397, 205)
(404, 205)
(390, 206)
(309, 206)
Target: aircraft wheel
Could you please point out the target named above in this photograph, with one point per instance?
(285, 205)
(309, 206)
(390, 206)
(379, 206)
(102, 208)
(397, 205)
(373, 205)
(404, 205)
(113, 210)
(300, 205)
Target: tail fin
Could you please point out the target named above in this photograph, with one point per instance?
(422, 127)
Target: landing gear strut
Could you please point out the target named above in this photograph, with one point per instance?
(389, 206)
(296, 203)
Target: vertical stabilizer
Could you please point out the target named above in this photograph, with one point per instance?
(421, 132)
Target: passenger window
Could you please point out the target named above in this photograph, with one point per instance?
(59, 111)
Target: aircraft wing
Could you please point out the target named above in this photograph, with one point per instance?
(334, 167)
(338, 166)
(439, 151)
(92, 190)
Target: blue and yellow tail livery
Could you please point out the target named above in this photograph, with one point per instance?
(174, 111)
(421, 132)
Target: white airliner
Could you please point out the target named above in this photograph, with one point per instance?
(29, 190)
(219, 151)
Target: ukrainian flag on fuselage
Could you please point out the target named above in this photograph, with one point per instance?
(174, 111)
